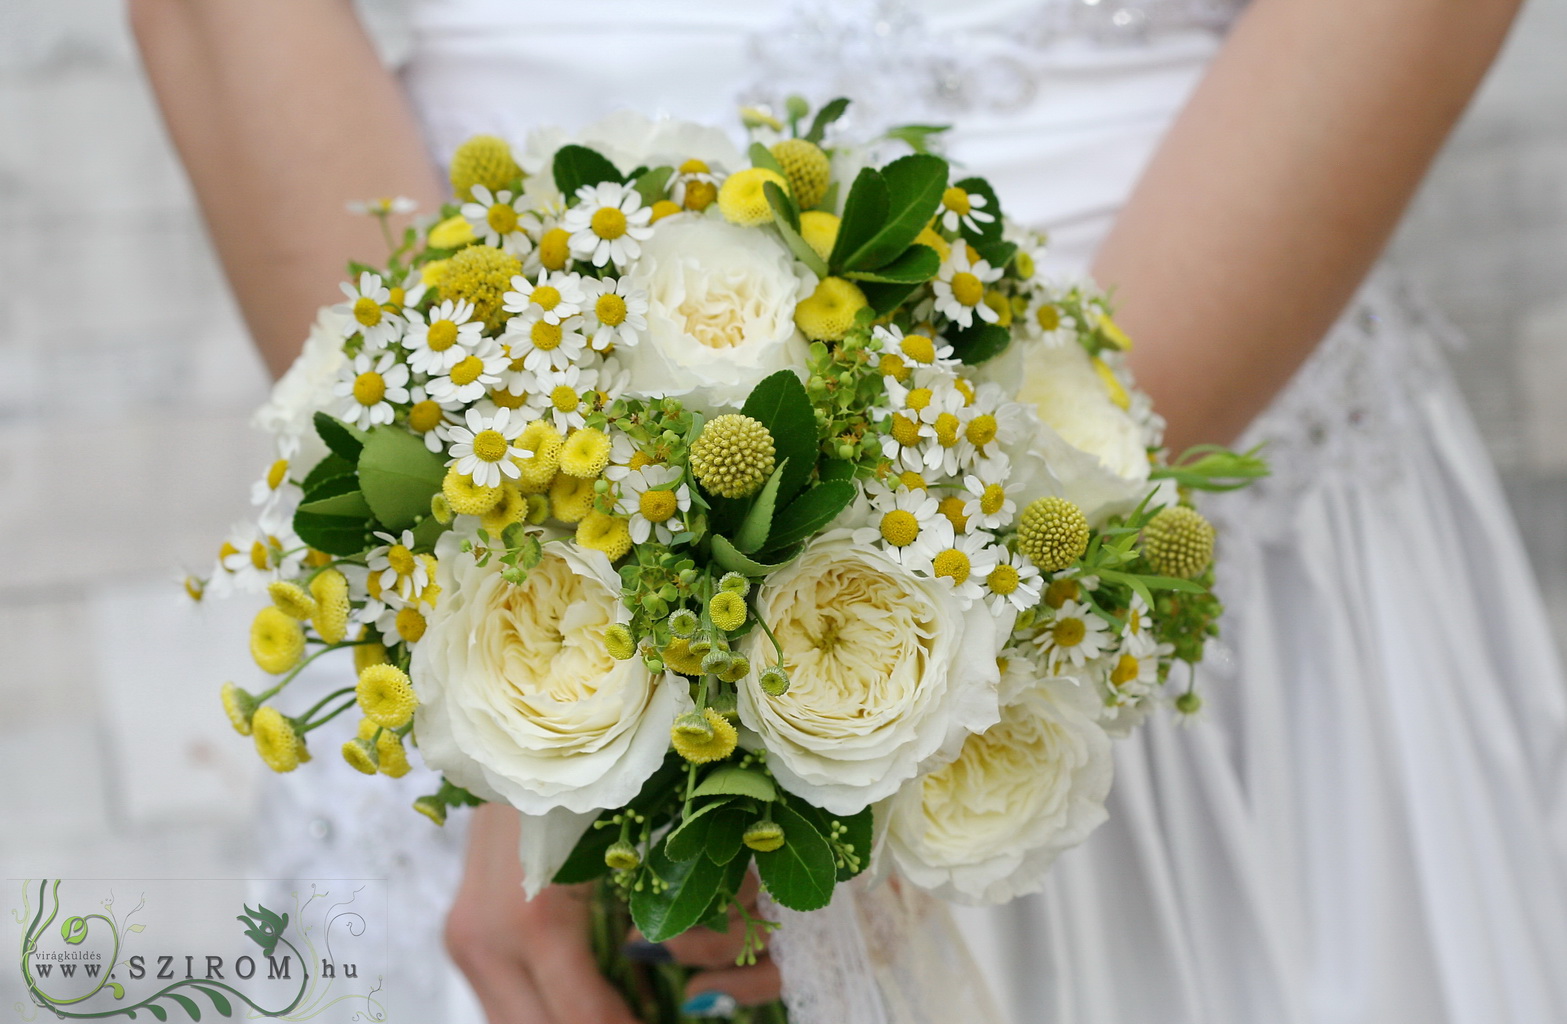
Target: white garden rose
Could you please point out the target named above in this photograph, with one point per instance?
(306, 386)
(1093, 447)
(986, 827)
(720, 313)
(888, 673)
(518, 698)
(630, 140)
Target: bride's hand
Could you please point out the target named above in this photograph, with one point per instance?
(718, 979)
(529, 961)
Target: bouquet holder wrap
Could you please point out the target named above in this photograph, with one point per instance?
(880, 953)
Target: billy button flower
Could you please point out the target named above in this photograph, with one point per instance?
(733, 455)
(467, 497)
(240, 705)
(742, 199)
(820, 231)
(276, 640)
(483, 160)
(537, 470)
(291, 600)
(829, 311)
(329, 589)
(807, 168)
(606, 533)
(386, 696)
(481, 274)
(1053, 533)
(1178, 541)
(728, 610)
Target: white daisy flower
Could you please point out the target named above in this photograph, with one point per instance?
(410, 292)
(916, 350)
(689, 173)
(542, 345)
(438, 343)
(553, 298)
(1049, 322)
(251, 557)
(960, 289)
(1074, 636)
(1132, 677)
(368, 387)
(961, 208)
(472, 375)
(966, 564)
(367, 313)
(655, 507)
(430, 419)
(1137, 635)
(616, 313)
(401, 205)
(396, 568)
(988, 504)
(624, 457)
(907, 524)
(558, 397)
(1012, 579)
(483, 449)
(608, 224)
(501, 219)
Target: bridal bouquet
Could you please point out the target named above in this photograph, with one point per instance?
(723, 511)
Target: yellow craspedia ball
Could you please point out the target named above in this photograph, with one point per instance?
(733, 455)
(829, 312)
(807, 168)
(1179, 542)
(742, 200)
(279, 745)
(481, 274)
(386, 695)
(512, 507)
(820, 231)
(606, 533)
(330, 591)
(483, 160)
(361, 756)
(240, 706)
(451, 233)
(727, 610)
(291, 600)
(393, 758)
(276, 640)
(705, 737)
(1053, 533)
(465, 496)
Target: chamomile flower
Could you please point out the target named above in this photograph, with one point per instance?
(1132, 676)
(429, 418)
(966, 564)
(1137, 635)
(615, 314)
(1013, 579)
(960, 289)
(902, 353)
(482, 448)
(410, 292)
(961, 208)
(608, 224)
(553, 298)
(381, 207)
(988, 504)
(438, 343)
(655, 502)
(907, 524)
(625, 457)
(1048, 321)
(500, 219)
(396, 568)
(275, 494)
(558, 398)
(1074, 636)
(472, 375)
(542, 345)
(251, 557)
(697, 173)
(367, 313)
(368, 386)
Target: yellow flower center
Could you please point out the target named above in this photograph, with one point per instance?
(954, 565)
(964, 388)
(489, 445)
(226, 550)
(899, 528)
(912, 480)
(441, 336)
(638, 460)
(700, 195)
(410, 625)
(1068, 632)
(502, 219)
(952, 507)
(424, 417)
(259, 556)
(467, 370)
(919, 348)
(397, 295)
(276, 474)
(1003, 579)
(367, 311)
(919, 398)
(993, 499)
(967, 288)
(546, 296)
(555, 249)
(1060, 592)
(401, 560)
(1134, 622)
(1126, 669)
(904, 430)
(694, 166)
(610, 309)
(657, 506)
(369, 388)
(608, 222)
(1049, 317)
(894, 367)
(947, 430)
(981, 430)
(507, 400)
(546, 336)
(956, 200)
(565, 399)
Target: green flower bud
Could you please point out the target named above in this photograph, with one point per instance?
(622, 856)
(774, 681)
(684, 622)
(764, 836)
(618, 641)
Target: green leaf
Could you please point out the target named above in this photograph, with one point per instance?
(912, 186)
(727, 556)
(835, 469)
(917, 136)
(333, 465)
(586, 861)
(334, 517)
(885, 297)
(980, 341)
(157, 1011)
(864, 213)
(692, 885)
(789, 229)
(219, 1000)
(860, 834)
(651, 185)
(726, 835)
(576, 166)
(990, 232)
(187, 1003)
(759, 520)
(690, 837)
(342, 438)
(732, 780)
(428, 532)
(918, 264)
(830, 112)
(801, 873)
(781, 405)
(811, 511)
(399, 476)
(763, 157)
(997, 254)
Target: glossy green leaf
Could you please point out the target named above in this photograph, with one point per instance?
(763, 157)
(912, 186)
(830, 112)
(758, 521)
(918, 264)
(342, 438)
(576, 166)
(586, 861)
(860, 833)
(692, 885)
(399, 476)
(651, 185)
(727, 556)
(979, 341)
(334, 517)
(835, 469)
(732, 780)
(864, 213)
(690, 837)
(801, 873)
(811, 511)
(781, 405)
(329, 467)
(990, 231)
(789, 229)
(726, 835)
(885, 297)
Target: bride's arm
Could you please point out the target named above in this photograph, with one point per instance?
(281, 110)
(1277, 188)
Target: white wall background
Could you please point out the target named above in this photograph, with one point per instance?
(126, 383)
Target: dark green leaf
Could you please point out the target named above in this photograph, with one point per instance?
(864, 213)
(157, 1011)
(979, 341)
(918, 264)
(860, 834)
(811, 511)
(830, 112)
(763, 157)
(692, 885)
(726, 834)
(187, 1003)
(732, 780)
(801, 873)
(759, 520)
(333, 465)
(991, 231)
(219, 1000)
(917, 135)
(576, 166)
(835, 469)
(690, 837)
(885, 297)
(781, 405)
(342, 438)
(651, 185)
(427, 533)
(783, 208)
(997, 254)
(586, 861)
(727, 556)
(399, 476)
(913, 187)
(334, 517)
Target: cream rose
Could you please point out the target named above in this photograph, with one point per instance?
(306, 386)
(888, 674)
(986, 827)
(720, 314)
(1094, 448)
(519, 700)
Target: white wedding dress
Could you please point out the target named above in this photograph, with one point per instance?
(1368, 827)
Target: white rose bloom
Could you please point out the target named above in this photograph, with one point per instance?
(1093, 447)
(306, 387)
(518, 698)
(630, 140)
(987, 827)
(720, 313)
(888, 674)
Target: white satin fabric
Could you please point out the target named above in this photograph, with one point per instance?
(1368, 827)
